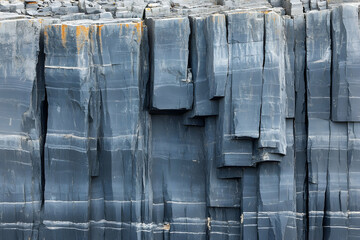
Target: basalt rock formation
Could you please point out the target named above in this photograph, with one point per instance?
(179, 120)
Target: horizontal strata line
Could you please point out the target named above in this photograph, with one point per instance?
(267, 217)
(334, 217)
(67, 228)
(63, 67)
(335, 212)
(250, 225)
(18, 162)
(225, 225)
(293, 227)
(224, 222)
(120, 201)
(87, 201)
(15, 149)
(87, 225)
(17, 229)
(255, 215)
(102, 89)
(92, 138)
(107, 227)
(233, 153)
(102, 199)
(279, 212)
(22, 224)
(187, 203)
(194, 233)
(89, 66)
(18, 203)
(189, 223)
(102, 221)
(223, 233)
(19, 136)
(343, 227)
(189, 219)
(72, 132)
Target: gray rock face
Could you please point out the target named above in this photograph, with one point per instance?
(216, 54)
(104, 66)
(318, 56)
(200, 121)
(273, 108)
(21, 133)
(246, 41)
(202, 105)
(345, 104)
(300, 129)
(171, 87)
(290, 67)
(71, 139)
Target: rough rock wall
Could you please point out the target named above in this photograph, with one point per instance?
(229, 124)
(21, 133)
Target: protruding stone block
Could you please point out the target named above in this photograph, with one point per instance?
(171, 88)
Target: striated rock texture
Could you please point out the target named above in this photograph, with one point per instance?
(179, 120)
(22, 96)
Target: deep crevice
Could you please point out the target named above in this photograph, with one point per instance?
(306, 190)
(40, 69)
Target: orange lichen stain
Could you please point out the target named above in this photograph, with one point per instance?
(127, 26)
(99, 32)
(63, 34)
(120, 25)
(33, 2)
(82, 34)
(138, 26)
(41, 20)
(139, 29)
(99, 29)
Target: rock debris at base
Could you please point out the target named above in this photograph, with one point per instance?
(179, 120)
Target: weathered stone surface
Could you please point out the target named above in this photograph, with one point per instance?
(202, 106)
(216, 54)
(200, 121)
(290, 67)
(273, 108)
(345, 105)
(229, 151)
(246, 42)
(219, 191)
(171, 87)
(98, 87)
(21, 133)
(318, 57)
(276, 216)
(71, 148)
